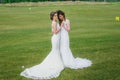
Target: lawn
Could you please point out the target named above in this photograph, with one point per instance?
(25, 39)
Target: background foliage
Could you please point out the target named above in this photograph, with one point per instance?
(13, 1)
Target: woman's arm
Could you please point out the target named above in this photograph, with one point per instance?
(54, 28)
(67, 25)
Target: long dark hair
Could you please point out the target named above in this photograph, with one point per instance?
(52, 14)
(60, 12)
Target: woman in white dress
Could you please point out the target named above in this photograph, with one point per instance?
(67, 57)
(52, 65)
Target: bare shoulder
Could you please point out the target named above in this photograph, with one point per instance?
(53, 23)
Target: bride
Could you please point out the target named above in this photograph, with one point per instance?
(67, 57)
(52, 65)
(60, 55)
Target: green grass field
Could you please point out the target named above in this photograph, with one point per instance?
(25, 39)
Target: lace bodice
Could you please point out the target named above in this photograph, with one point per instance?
(55, 24)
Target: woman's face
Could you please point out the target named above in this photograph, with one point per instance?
(55, 17)
(61, 17)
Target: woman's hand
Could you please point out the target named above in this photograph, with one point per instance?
(66, 25)
(62, 24)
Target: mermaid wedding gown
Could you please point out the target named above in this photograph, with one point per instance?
(67, 57)
(51, 66)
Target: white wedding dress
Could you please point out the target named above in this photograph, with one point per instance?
(67, 57)
(51, 66)
(59, 57)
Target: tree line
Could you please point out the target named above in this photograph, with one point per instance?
(15, 1)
